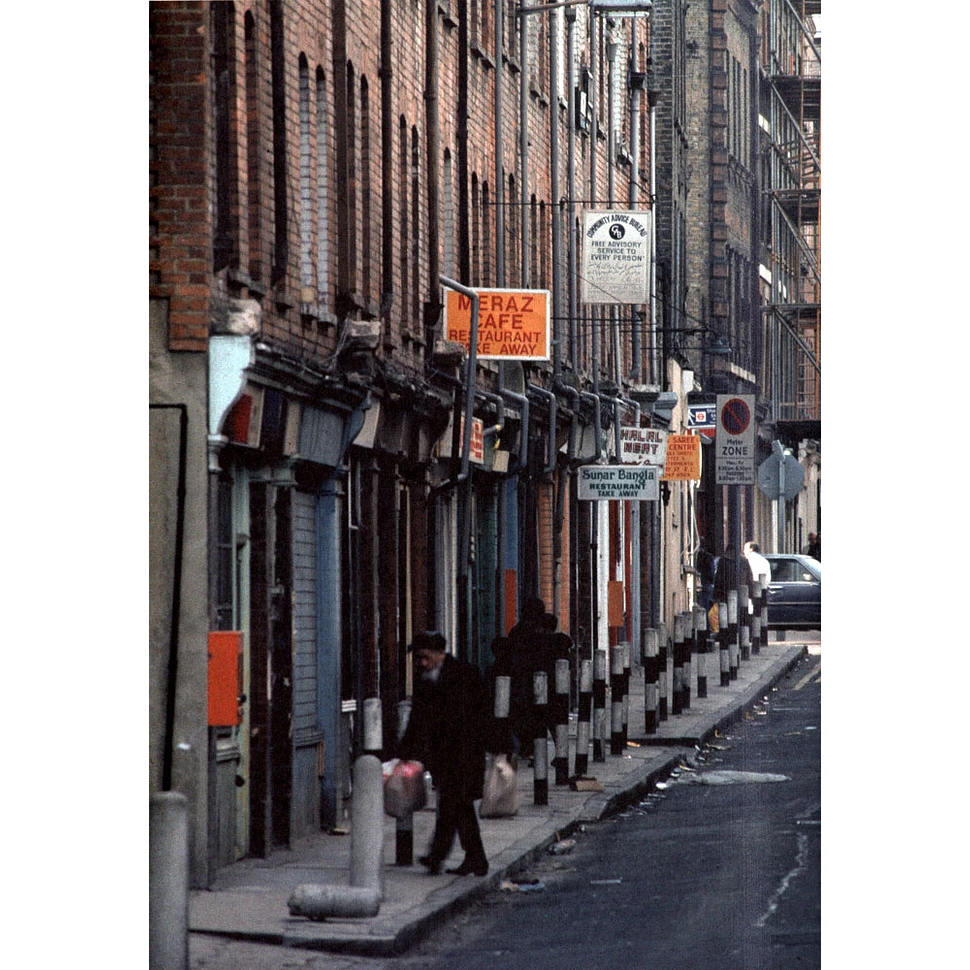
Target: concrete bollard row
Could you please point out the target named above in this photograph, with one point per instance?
(616, 700)
(404, 825)
(561, 714)
(700, 649)
(744, 624)
(677, 692)
(763, 612)
(732, 604)
(540, 750)
(583, 725)
(651, 680)
(600, 664)
(722, 643)
(663, 654)
(627, 674)
(756, 618)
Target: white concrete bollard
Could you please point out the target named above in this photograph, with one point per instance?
(168, 881)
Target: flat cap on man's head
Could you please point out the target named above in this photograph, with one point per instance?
(429, 640)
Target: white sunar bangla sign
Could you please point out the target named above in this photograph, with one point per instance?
(619, 483)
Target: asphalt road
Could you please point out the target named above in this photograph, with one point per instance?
(718, 869)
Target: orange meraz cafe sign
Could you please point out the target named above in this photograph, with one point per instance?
(512, 324)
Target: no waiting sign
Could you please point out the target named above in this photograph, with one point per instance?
(734, 447)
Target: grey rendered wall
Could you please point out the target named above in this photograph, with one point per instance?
(179, 379)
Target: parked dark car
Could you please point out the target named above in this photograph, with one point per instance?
(795, 592)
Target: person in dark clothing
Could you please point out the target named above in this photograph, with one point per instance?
(705, 563)
(529, 639)
(501, 736)
(446, 733)
(725, 576)
(814, 547)
(556, 646)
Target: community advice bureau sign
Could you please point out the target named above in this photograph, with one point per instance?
(616, 256)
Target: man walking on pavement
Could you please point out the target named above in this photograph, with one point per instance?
(446, 732)
(757, 563)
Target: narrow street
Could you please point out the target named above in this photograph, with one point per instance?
(719, 866)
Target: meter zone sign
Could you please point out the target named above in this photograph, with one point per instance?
(734, 444)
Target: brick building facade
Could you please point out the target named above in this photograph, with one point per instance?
(317, 170)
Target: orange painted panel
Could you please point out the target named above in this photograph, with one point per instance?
(511, 595)
(225, 654)
(614, 594)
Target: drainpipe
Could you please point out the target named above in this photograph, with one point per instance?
(571, 448)
(636, 91)
(464, 475)
(618, 403)
(524, 146)
(595, 523)
(500, 412)
(175, 618)
(431, 126)
(521, 462)
(553, 404)
(499, 143)
(554, 194)
(571, 183)
(387, 156)
(654, 349)
(654, 508)
(595, 398)
(363, 896)
(611, 46)
(635, 626)
(522, 403)
(564, 472)
(550, 467)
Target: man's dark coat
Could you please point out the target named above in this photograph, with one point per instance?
(446, 729)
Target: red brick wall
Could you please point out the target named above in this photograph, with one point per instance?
(179, 222)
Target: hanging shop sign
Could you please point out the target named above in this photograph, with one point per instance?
(683, 459)
(616, 257)
(512, 324)
(476, 452)
(734, 444)
(643, 446)
(619, 483)
(702, 418)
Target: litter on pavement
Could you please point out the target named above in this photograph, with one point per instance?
(527, 886)
(726, 777)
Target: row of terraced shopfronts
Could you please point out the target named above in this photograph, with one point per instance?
(317, 496)
(337, 533)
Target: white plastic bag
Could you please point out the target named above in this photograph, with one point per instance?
(500, 798)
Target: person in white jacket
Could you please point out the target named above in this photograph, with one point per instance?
(757, 563)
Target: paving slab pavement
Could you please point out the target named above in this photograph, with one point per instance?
(249, 899)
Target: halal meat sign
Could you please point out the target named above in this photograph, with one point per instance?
(734, 441)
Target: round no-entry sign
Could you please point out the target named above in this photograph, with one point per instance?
(735, 416)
